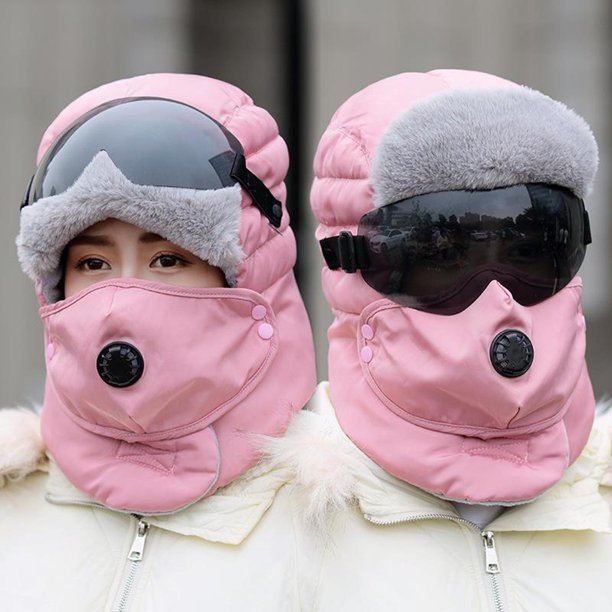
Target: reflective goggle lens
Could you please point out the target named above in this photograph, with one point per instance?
(438, 251)
(153, 141)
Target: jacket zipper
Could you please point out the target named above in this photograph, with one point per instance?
(491, 566)
(134, 558)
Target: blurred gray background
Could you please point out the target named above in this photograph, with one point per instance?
(300, 60)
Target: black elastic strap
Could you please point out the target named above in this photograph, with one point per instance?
(587, 228)
(269, 206)
(345, 251)
(223, 164)
(26, 196)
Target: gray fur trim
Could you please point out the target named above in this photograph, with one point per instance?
(466, 139)
(205, 222)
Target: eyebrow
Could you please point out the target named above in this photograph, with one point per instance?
(149, 237)
(91, 240)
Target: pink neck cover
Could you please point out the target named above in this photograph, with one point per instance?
(211, 361)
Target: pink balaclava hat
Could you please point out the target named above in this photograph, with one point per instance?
(153, 391)
(417, 391)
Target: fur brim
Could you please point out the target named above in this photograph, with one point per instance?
(484, 139)
(205, 222)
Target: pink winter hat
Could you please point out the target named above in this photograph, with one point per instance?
(220, 225)
(417, 133)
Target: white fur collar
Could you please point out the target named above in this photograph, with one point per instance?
(22, 450)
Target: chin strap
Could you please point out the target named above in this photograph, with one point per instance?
(262, 197)
(345, 251)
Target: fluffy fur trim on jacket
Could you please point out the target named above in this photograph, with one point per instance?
(22, 449)
(325, 470)
(319, 465)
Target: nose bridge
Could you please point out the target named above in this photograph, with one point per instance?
(129, 256)
(128, 269)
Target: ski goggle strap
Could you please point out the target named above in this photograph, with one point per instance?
(153, 141)
(437, 251)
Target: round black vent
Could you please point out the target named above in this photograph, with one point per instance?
(511, 353)
(120, 364)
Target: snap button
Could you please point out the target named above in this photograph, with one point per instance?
(366, 354)
(259, 312)
(265, 331)
(367, 332)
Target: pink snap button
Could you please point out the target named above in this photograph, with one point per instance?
(259, 312)
(367, 332)
(366, 354)
(50, 350)
(265, 331)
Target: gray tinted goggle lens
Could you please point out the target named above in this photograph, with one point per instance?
(151, 140)
(437, 252)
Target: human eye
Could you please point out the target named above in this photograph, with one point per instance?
(92, 264)
(168, 260)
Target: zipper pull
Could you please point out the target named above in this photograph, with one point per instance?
(137, 549)
(491, 560)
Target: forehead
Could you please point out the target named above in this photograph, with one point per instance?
(112, 225)
(111, 231)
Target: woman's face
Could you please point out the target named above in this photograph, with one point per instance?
(115, 249)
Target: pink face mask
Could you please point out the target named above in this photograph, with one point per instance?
(447, 394)
(137, 375)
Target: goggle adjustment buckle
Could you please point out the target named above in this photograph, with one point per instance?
(344, 251)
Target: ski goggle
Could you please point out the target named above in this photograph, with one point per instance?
(152, 141)
(437, 252)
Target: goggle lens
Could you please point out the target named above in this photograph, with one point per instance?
(438, 251)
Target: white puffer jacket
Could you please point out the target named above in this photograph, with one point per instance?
(62, 552)
(384, 545)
